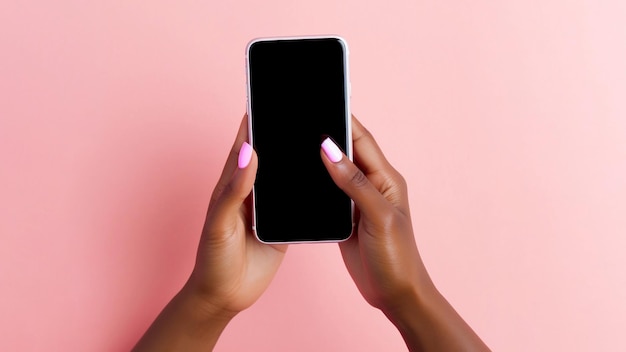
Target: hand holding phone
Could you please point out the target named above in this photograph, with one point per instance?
(233, 269)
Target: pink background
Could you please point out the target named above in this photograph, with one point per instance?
(507, 118)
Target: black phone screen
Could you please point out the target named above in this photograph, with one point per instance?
(297, 93)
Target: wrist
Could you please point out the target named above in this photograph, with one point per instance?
(205, 306)
(427, 322)
(187, 323)
(410, 302)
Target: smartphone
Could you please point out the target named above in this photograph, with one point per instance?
(298, 94)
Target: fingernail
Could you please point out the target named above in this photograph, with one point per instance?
(245, 155)
(331, 150)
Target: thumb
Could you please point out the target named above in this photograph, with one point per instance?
(353, 181)
(237, 189)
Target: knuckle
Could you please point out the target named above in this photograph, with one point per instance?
(401, 181)
(364, 135)
(225, 191)
(359, 179)
(397, 180)
(393, 183)
(366, 132)
(217, 193)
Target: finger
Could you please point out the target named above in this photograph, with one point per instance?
(231, 161)
(353, 181)
(371, 160)
(367, 153)
(234, 193)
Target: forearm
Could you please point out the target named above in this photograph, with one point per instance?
(427, 322)
(187, 323)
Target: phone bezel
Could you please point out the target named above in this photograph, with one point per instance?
(348, 120)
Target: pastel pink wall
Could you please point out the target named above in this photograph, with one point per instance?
(507, 118)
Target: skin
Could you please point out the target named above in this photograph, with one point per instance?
(233, 269)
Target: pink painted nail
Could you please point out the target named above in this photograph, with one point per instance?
(245, 155)
(331, 150)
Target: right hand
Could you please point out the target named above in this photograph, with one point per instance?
(381, 256)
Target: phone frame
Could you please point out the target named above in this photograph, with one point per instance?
(348, 119)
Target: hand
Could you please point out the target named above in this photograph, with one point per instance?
(382, 256)
(232, 267)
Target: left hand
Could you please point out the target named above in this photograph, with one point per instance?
(232, 267)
